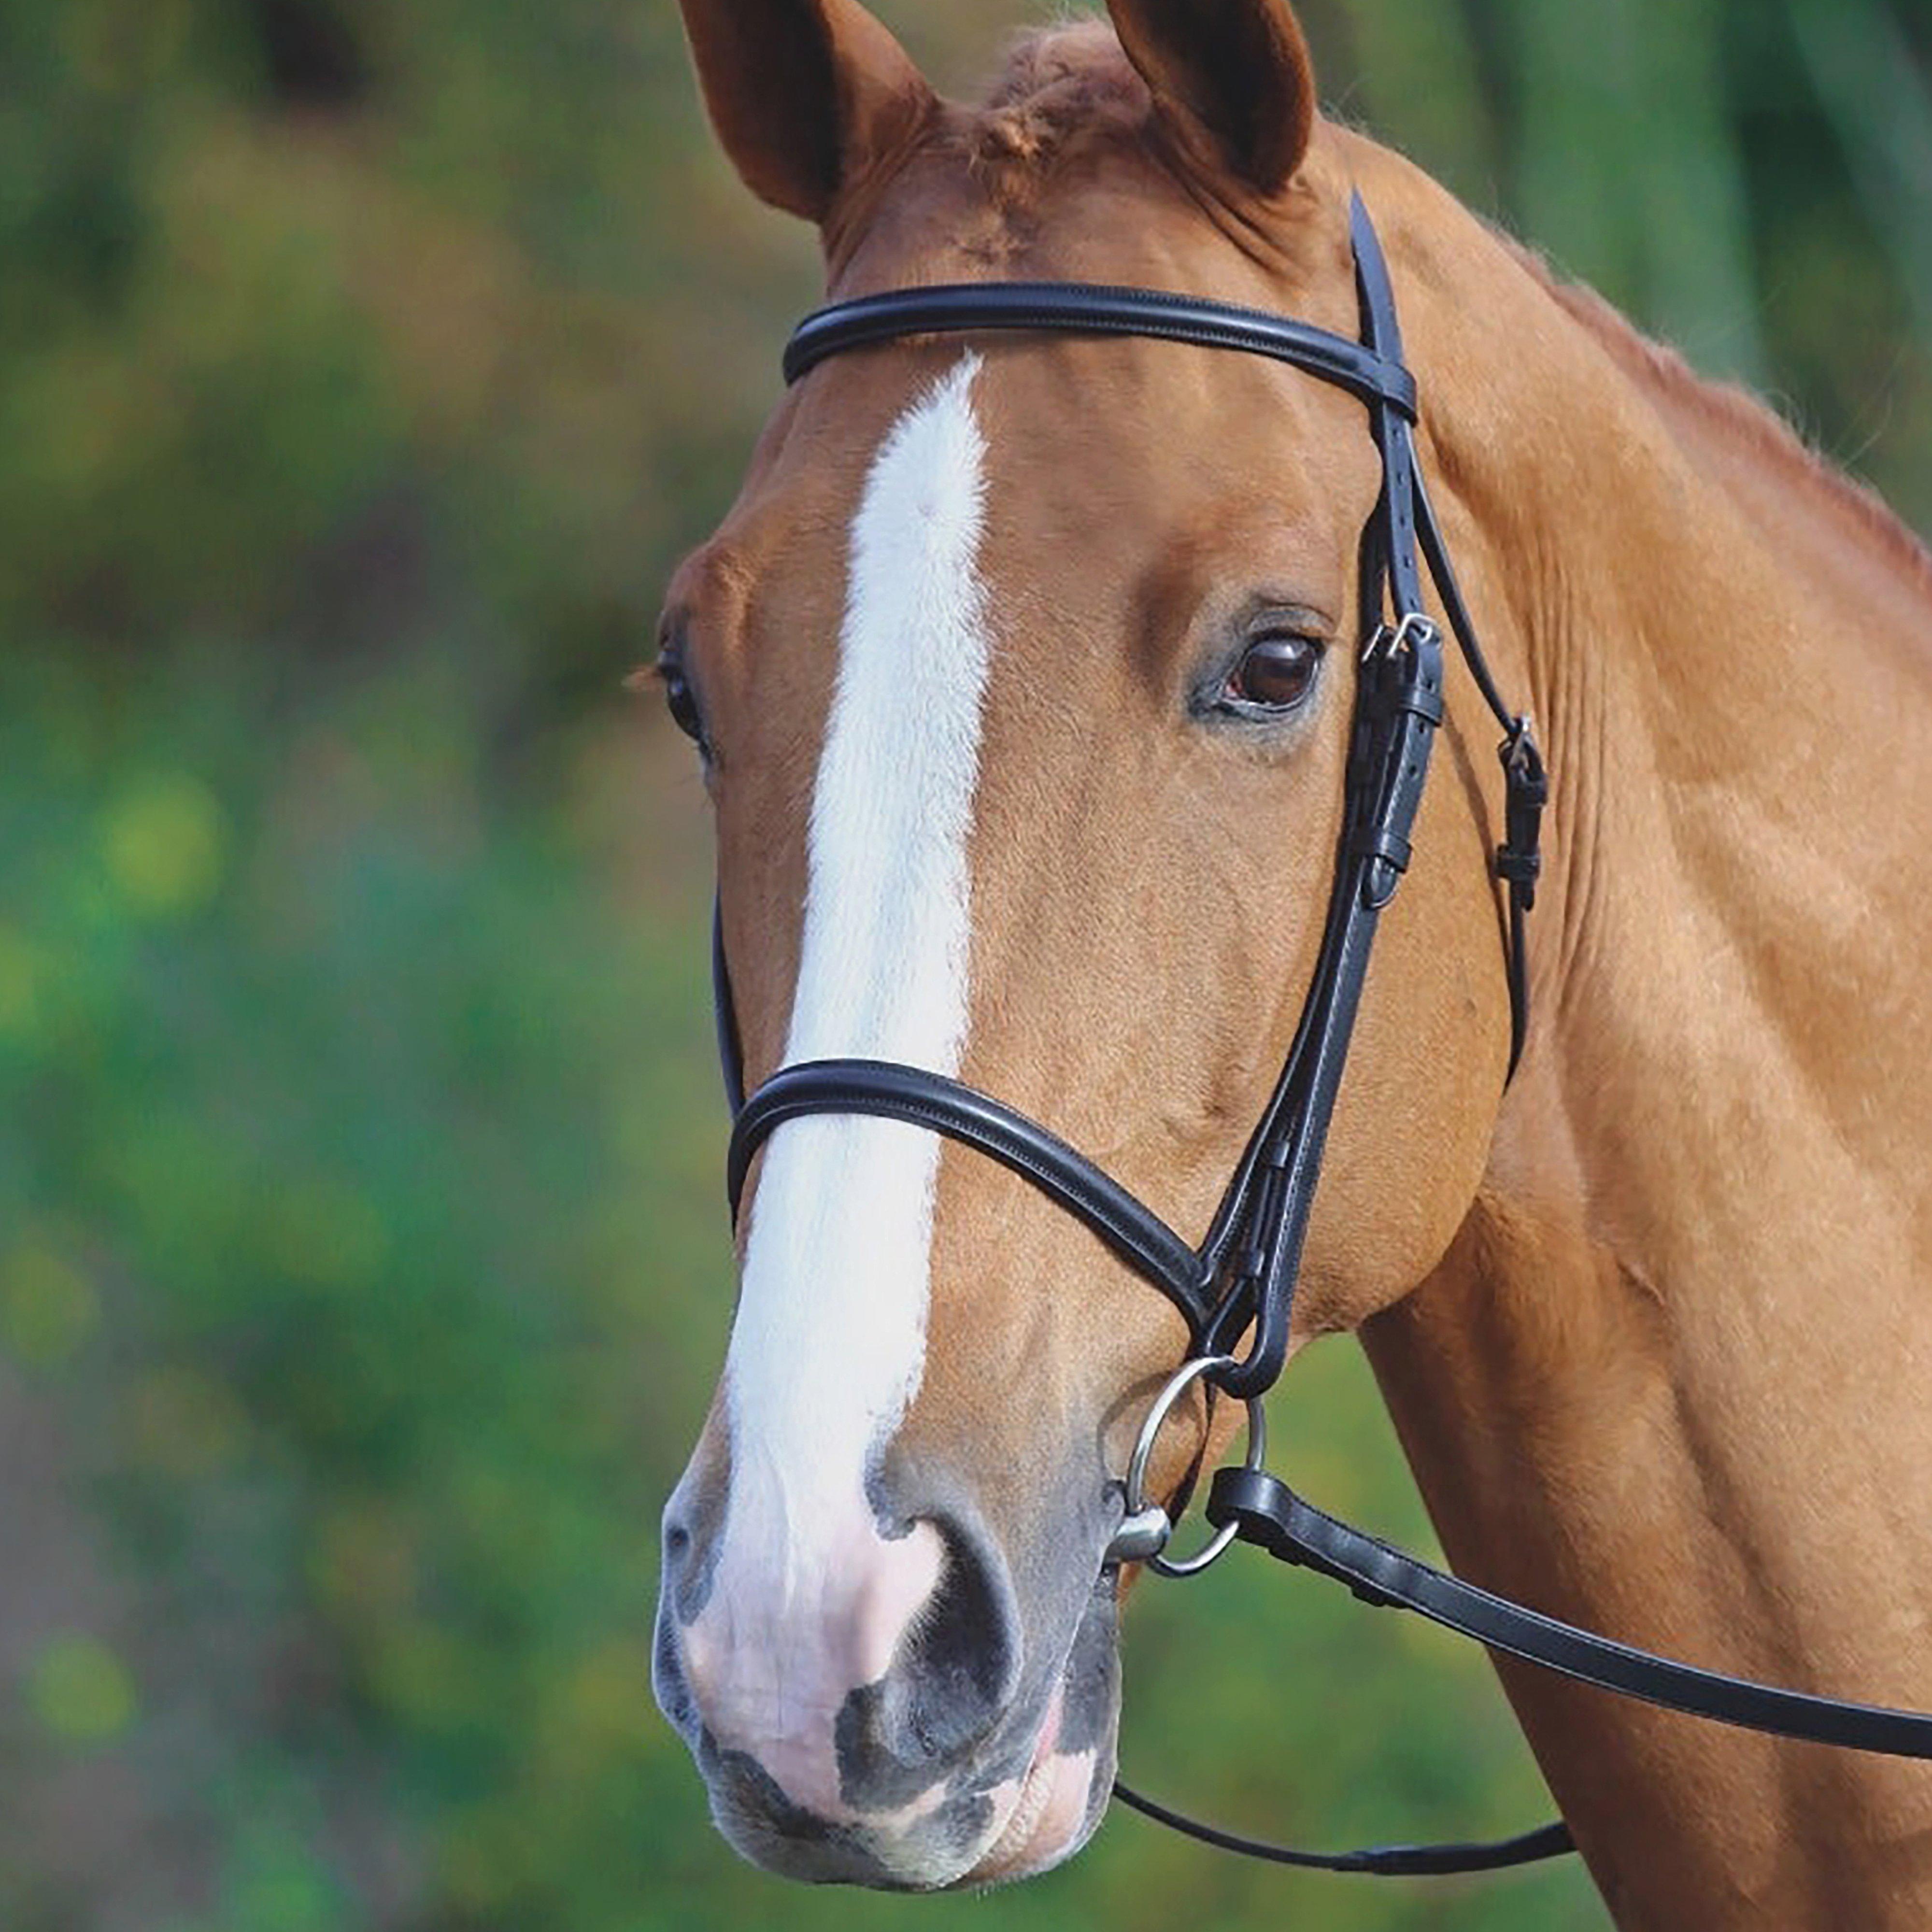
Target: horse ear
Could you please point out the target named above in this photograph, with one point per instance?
(806, 96)
(1230, 79)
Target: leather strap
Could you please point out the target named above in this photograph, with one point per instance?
(1267, 1513)
(1068, 1178)
(1546, 1841)
(1087, 308)
(1264, 1219)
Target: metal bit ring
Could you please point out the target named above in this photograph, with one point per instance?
(1177, 1384)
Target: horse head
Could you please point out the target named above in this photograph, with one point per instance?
(1022, 672)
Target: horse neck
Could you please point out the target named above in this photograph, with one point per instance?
(1669, 1382)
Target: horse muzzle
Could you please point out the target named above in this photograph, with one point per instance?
(891, 1713)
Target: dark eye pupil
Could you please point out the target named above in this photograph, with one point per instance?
(683, 707)
(680, 700)
(1275, 672)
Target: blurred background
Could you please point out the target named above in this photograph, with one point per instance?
(363, 1269)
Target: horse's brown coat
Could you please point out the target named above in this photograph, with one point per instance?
(1654, 1326)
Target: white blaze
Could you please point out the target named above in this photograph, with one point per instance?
(830, 1342)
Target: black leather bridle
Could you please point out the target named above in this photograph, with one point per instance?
(1244, 1272)
(1242, 1277)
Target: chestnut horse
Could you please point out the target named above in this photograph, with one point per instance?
(1020, 670)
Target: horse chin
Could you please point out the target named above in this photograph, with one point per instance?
(1056, 1806)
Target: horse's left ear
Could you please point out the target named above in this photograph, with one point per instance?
(807, 96)
(1230, 79)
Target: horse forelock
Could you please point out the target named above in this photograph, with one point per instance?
(1059, 83)
(1005, 182)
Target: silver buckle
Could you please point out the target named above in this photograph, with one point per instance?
(1387, 639)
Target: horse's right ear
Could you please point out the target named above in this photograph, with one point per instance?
(807, 96)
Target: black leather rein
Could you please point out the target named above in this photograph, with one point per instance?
(1241, 1279)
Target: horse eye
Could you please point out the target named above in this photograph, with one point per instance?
(1276, 672)
(681, 700)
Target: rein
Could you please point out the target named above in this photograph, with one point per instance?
(1242, 1276)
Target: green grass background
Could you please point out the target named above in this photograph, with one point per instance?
(363, 1268)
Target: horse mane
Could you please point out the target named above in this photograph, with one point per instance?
(1734, 412)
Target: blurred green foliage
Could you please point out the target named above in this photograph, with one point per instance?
(363, 1274)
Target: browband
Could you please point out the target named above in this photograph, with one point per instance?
(1085, 308)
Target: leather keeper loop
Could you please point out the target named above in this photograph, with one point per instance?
(1423, 701)
(1525, 793)
(1379, 841)
(1518, 868)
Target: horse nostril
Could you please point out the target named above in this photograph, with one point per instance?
(959, 1659)
(687, 1550)
(952, 1678)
